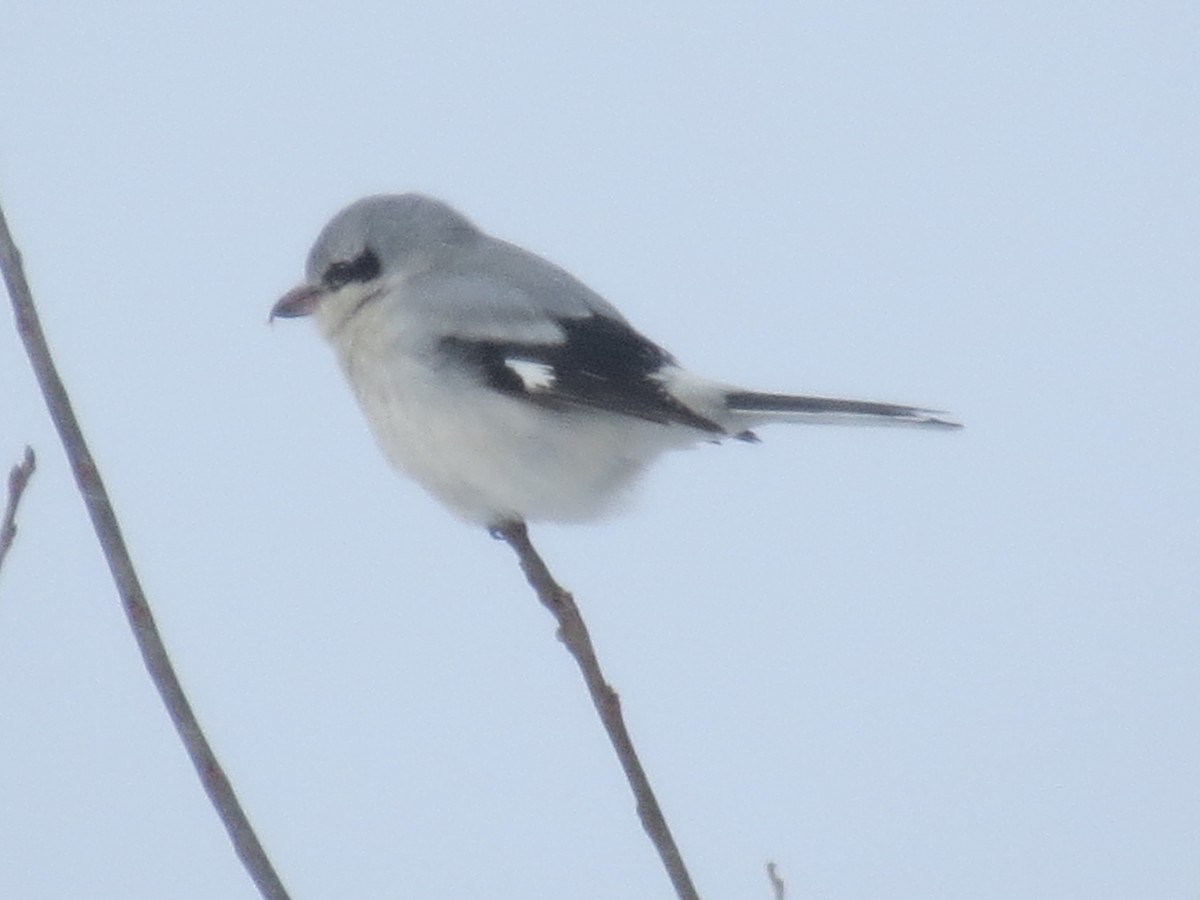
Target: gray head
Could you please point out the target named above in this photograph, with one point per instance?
(402, 232)
(376, 237)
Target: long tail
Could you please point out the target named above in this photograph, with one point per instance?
(790, 407)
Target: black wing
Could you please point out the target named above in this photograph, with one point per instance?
(602, 363)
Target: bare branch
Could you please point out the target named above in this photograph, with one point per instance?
(777, 885)
(104, 521)
(574, 633)
(18, 478)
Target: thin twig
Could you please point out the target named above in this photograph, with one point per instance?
(777, 885)
(574, 633)
(18, 478)
(104, 521)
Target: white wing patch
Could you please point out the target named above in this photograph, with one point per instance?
(536, 376)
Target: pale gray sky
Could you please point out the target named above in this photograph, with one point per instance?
(903, 665)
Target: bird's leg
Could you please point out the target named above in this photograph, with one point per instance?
(501, 529)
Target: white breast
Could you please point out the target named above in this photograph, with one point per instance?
(486, 455)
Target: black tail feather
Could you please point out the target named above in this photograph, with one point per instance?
(829, 407)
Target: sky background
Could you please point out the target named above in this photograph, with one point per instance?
(901, 664)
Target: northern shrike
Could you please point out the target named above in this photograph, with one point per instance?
(503, 385)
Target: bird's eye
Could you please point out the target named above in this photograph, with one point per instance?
(363, 267)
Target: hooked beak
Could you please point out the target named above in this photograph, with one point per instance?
(299, 301)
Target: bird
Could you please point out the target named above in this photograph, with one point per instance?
(503, 385)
